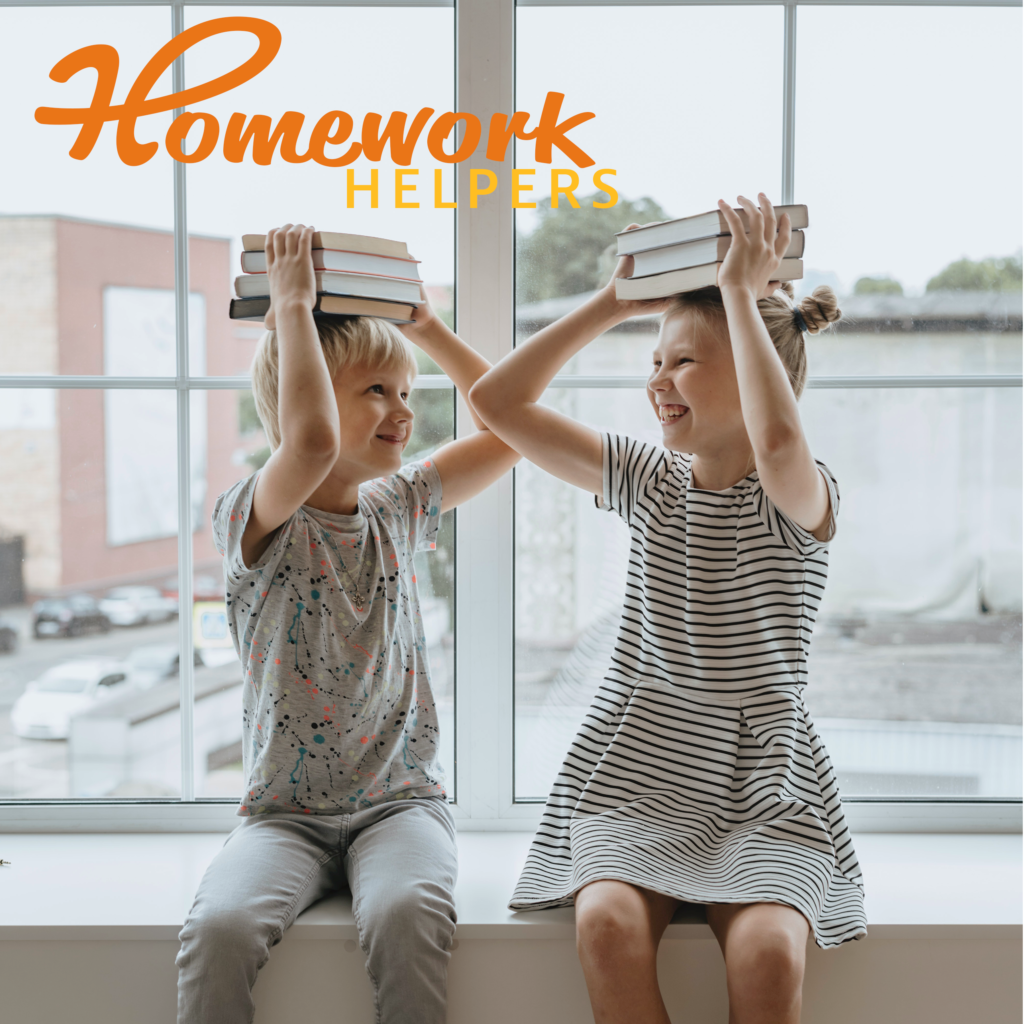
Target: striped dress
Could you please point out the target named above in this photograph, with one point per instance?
(697, 771)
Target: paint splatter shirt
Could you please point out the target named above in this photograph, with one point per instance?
(338, 714)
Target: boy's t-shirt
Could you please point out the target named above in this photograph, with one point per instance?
(338, 713)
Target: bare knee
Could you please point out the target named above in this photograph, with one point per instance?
(612, 931)
(765, 965)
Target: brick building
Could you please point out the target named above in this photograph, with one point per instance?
(89, 475)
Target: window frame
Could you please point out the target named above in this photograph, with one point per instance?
(484, 309)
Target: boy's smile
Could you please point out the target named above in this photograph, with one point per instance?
(374, 419)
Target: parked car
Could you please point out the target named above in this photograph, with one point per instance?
(8, 636)
(132, 606)
(153, 663)
(68, 616)
(204, 588)
(45, 709)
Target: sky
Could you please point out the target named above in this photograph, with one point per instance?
(908, 134)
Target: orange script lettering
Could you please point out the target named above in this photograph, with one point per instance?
(334, 128)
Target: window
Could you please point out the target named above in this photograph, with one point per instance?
(125, 404)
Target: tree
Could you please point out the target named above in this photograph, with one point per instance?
(991, 275)
(563, 254)
(877, 286)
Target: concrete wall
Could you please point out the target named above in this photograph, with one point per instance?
(880, 980)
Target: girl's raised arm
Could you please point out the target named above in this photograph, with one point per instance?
(784, 462)
(507, 396)
(470, 464)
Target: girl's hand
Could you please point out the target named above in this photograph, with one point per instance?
(289, 269)
(753, 258)
(423, 316)
(631, 307)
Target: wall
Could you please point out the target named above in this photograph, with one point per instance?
(880, 980)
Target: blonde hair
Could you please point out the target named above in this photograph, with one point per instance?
(781, 315)
(363, 340)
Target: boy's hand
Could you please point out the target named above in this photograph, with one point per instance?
(631, 307)
(423, 316)
(753, 258)
(289, 269)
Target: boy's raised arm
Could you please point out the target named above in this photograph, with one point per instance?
(470, 464)
(307, 407)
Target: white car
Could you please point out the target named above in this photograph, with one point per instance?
(45, 709)
(155, 663)
(131, 606)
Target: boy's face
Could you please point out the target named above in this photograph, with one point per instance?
(374, 418)
(693, 390)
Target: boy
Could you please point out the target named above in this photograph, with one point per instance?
(340, 737)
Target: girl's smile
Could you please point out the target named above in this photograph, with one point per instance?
(671, 412)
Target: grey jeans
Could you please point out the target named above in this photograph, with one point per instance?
(400, 862)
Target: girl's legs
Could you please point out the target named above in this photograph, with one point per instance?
(765, 946)
(618, 928)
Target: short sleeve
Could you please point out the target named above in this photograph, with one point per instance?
(795, 537)
(230, 514)
(413, 495)
(629, 469)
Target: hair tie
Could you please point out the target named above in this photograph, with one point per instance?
(799, 321)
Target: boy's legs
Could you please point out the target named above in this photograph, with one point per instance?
(268, 871)
(402, 864)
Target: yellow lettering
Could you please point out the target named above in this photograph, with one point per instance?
(613, 196)
(475, 190)
(353, 188)
(439, 203)
(518, 187)
(401, 188)
(566, 190)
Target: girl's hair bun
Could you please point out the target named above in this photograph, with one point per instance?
(819, 309)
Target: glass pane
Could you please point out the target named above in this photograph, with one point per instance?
(675, 150)
(227, 199)
(237, 447)
(916, 658)
(88, 596)
(956, 338)
(870, 116)
(86, 245)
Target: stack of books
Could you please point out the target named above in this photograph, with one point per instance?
(673, 256)
(356, 275)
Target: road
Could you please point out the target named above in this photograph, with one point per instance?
(38, 769)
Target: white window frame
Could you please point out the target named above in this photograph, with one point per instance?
(484, 309)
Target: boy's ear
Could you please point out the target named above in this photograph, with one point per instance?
(270, 319)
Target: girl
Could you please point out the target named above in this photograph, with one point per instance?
(697, 775)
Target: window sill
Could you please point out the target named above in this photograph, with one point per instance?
(139, 887)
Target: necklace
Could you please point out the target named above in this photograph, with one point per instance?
(359, 600)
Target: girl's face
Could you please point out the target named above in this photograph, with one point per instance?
(375, 420)
(693, 390)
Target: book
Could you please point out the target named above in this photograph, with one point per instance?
(334, 283)
(255, 308)
(658, 286)
(340, 240)
(685, 229)
(695, 253)
(343, 260)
